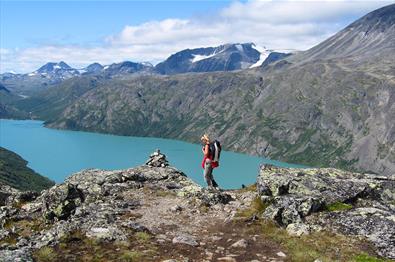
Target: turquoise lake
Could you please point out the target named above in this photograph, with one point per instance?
(59, 153)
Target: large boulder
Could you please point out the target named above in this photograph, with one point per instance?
(345, 202)
(60, 201)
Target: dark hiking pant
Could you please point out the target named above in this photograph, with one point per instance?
(208, 174)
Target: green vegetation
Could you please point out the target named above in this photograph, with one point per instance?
(142, 237)
(45, 254)
(367, 258)
(338, 206)
(131, 256)
(323, 245)
(77, 246)
(25, 227)
(15, 173)
(249, 188)
(257, 207)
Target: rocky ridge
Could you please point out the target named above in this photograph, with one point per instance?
(158, 208)
(301, 200)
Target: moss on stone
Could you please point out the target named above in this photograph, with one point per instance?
(338, 206)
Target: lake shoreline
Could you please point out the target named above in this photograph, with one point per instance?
(74, 151)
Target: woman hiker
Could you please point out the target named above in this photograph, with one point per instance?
(208, 164)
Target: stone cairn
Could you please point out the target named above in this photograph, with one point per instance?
(157, 159)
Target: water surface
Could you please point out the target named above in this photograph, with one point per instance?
(59, 153)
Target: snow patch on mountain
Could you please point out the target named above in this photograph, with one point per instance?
(239, 47)
(197, 58)
(264, 54)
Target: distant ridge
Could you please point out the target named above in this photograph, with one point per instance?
(15, 173)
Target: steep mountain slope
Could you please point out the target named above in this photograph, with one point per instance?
(324, 108)
(7, 105)
(48, 104)
(15, 173)
(370, 36)
(221, 58)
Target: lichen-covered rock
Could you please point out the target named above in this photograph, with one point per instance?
(17, 255)
(185, 239)
(98, 204)
(106, 233)
(345, 202)
(10, 195)
(61, 201)
(298, 229)
(375, 224)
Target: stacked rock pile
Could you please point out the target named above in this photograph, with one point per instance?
(157, 159)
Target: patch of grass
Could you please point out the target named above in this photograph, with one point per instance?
(326, 246)
(249, 188)
(10, 240)
(338, 206)
(18, 204)
(156, 192)
(45, 254)
(257, 207)
(77, 246)
(131, 256)
(25, 227)
(142, 237)
(204, 208)
(367, 258)
(164, 193)
(131, 216)
(73, 236)
(323, 245)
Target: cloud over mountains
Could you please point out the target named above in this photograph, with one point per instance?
(275, 24)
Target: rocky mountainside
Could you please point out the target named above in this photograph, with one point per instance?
(15, 173)
(221, 58)
(125, 68)
(7, 105)
(369, 37)
(93, 68)
(56, 70)
(154, 212)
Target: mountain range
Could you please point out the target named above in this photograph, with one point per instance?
(332, 105)
(226, 57)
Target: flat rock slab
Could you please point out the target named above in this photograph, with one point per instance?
(185, 239)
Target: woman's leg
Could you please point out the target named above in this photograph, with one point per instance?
(208, 173)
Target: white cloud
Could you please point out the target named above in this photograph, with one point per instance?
(274, 24)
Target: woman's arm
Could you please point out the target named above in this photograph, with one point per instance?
(206, 151)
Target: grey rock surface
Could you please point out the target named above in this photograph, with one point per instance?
(305, 200)
(100, 205)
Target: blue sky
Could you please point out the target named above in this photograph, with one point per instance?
(81, 32)
(30, 23)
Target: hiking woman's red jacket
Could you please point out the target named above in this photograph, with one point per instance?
(214, 164)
